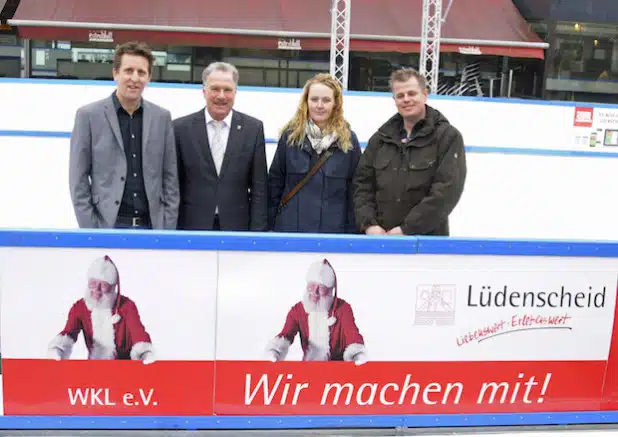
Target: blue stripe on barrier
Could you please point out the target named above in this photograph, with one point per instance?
(541, 152)
(471, 149)
(471, 246)
(282, 242)
(35, 134)
(303, 422)
(194, 240)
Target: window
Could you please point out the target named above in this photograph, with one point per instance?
(585, 51)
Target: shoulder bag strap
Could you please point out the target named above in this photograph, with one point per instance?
(320, 162)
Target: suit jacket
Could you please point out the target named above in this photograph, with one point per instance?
(239, 191)
(98, 166)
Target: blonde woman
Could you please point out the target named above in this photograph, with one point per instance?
(310, 177)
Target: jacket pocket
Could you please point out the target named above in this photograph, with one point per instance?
(336, 177)
(421, 174)
(297, 164)
(385, 168)
(421, 166)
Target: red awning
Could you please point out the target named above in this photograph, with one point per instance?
(492, 27)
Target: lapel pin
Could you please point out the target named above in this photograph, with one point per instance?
(239, 127)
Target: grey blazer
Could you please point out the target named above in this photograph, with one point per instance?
(98, 167)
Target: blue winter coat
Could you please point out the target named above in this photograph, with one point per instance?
(325, 203)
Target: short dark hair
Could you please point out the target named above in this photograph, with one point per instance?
(134, 48)
(405, 74)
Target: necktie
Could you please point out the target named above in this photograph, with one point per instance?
(217, 148)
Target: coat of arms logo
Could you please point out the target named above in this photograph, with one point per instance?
(435, 304)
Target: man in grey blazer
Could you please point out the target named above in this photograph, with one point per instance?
(222, 167)
(122, 165)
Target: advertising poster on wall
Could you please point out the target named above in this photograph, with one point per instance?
(596, 128)
(391, 334)
(108, 332)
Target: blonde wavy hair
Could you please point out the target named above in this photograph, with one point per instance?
(336, 122)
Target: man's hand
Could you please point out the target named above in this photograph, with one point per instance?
(395, 231)
(375, 230)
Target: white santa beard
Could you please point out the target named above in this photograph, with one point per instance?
(321, 306)
(107, 301)
(319, 336)
(103, 335)
(319, 329)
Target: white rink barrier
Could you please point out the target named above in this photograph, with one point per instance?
(536, 169)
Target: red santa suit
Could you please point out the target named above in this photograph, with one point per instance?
(324, 336)
(115, 333)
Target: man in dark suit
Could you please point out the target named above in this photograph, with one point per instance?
(222, 167)
(122, 162)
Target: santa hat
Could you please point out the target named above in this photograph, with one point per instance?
(104, 269)
(322, 272)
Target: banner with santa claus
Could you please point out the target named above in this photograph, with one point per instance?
(122, 332)
(311, 333)
(107, 332)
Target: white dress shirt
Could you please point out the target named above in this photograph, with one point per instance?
(225, 131)
(218, 150)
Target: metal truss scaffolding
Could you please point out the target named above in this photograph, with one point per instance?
(430, 41)
(340, 41)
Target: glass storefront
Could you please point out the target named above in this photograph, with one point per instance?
(368, 71)
(11, 55)
(582, 63)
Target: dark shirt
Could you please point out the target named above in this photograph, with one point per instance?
(403, 133)
(134, 200)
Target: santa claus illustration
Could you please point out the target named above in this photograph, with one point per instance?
(324, 321)
(109, 321)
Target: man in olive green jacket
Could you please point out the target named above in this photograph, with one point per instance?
(413, 170)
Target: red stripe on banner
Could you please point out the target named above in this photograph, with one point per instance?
(610, 387)
(103, 388)
(73, 387)
(337, 388)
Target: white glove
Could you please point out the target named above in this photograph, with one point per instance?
(54, 354)
(360, 358)
(148, 358)
(272, 355)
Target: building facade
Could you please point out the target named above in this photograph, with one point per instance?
(478, 56)
(582, 61)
